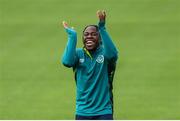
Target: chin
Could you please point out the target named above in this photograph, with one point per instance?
(90, 48)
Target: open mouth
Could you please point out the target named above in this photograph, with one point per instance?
(89, 42)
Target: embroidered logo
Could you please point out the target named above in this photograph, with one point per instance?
(81, 60)
(100, 59)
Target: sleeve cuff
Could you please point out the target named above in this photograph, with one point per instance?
(101, 24)
(71, 32)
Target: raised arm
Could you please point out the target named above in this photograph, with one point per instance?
(110, 51)
(69, 57)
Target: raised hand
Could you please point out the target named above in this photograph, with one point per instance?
(101, 15)
(69, 30)
(65, 25)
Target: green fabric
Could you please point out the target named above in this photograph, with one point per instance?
(92, 75)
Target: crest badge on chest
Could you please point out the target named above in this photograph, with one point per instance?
(100, 59)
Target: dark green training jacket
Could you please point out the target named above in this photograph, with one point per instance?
(93, 73)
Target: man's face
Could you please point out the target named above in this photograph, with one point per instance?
(91, 38)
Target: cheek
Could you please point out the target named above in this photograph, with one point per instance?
(97, 39)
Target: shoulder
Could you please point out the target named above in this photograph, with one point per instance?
(79, 51)
(111, 60)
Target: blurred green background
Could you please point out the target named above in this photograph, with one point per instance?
(35, 85)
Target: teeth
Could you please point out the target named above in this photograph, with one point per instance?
(89, 42)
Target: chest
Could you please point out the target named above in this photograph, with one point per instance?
(93, 63)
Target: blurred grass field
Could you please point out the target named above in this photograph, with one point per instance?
(35, 85)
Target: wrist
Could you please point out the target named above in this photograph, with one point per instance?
(101, 23)
(71, 32)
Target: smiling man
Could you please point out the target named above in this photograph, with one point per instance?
(94, 67)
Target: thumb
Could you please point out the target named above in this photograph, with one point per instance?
(65, 25)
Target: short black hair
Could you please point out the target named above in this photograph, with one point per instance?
(97, 28)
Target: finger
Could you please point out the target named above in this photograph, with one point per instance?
(104, 13)
(65, 25)
(98, 12)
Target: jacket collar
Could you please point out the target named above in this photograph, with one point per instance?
(91, 53)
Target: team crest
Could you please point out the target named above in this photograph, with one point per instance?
(100, 59)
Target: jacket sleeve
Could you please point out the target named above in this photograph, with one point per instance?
(110, 51)
(69, 56)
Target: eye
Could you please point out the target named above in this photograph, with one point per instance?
(86, 34)
(94, 34)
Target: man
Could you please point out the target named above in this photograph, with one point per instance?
(94, 67)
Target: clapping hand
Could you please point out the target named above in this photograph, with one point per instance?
(69, 30)
(101, 15)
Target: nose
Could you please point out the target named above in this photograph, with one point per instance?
(89, 36)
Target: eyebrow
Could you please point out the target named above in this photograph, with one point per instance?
(91, 32)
